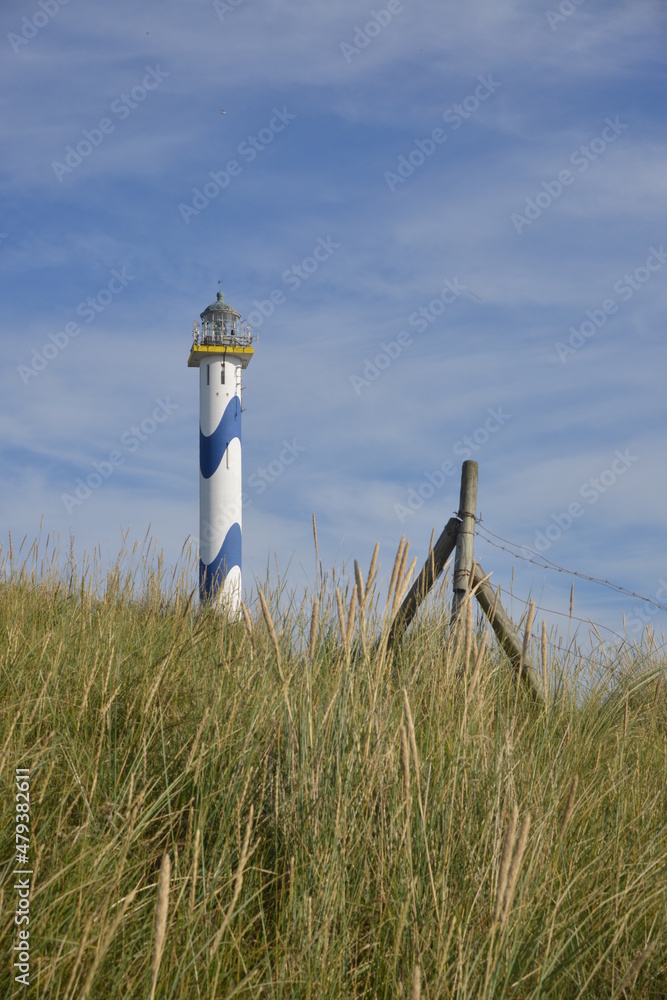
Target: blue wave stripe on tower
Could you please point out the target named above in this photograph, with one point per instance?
(212, 447)
(212, 575)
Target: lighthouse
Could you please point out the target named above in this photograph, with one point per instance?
(221, 350)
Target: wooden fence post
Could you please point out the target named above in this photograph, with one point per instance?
(431, 570)
(505, 631)
(465, 543)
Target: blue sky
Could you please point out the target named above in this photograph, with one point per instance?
(482, 183)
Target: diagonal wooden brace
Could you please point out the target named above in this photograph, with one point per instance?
(506, 633)
(431, 570)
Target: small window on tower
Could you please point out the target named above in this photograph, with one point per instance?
(208, 374)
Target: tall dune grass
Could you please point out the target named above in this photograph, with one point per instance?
(275, 806)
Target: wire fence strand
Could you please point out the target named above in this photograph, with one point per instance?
(545, 563)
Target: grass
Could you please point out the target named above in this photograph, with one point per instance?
(276, 807)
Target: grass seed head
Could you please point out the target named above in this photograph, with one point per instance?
(630, 976)
(314, 620)
(269, 624)
(505, 860)
(515, 866)
(161, 910)
(416, 991)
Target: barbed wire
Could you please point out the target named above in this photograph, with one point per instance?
(548, 564)
(559, 648)
(625, 640)
(565, 614)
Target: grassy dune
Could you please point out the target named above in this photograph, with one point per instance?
(336, 822)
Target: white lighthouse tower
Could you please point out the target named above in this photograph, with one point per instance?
(221, 350)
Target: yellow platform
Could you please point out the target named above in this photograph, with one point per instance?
(200, 352)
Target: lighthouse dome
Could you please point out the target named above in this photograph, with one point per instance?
(221, 323)
(219, 306)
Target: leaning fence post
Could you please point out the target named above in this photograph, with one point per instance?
(505, 631)
(465, 543)
(431, 570)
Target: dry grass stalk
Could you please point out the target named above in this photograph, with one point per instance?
(478, 662)
(402, 921)
(415, 760)
(630, 976)
(569, 806)
(5, 749)
(272, 632)
(314, 621)
(657, 691)
(372, 572)
(248, 624)
(160, 927)
(69, 989)
(626, 711)
(38, 704)
(468, 637)
(495, 605)
(571, 598)
(515, 865)
(505, 860)
(86, 693)
(198, 736)
(317, 558)
(350, 619)
(403, 580)
(545, 673)
(527, 633)
(195, 866)
(411, 733)
(274, 639)
(238, 883)
(397, 563)
(360, 585)
(341, 614)
(104, 943)
(405, 762)
(416, 991)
